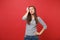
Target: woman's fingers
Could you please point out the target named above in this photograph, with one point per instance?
(27, 9)
(36, 33)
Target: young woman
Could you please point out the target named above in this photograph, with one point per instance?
(32, 19)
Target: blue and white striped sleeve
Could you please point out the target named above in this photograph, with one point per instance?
(42, 22)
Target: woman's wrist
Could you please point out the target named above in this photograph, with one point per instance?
(41, 31)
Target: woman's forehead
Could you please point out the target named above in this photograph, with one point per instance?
(31, 8)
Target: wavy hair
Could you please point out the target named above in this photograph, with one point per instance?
(29, 18)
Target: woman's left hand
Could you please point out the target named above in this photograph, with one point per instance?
(37, 33)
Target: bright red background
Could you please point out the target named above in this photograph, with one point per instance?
(12, 27)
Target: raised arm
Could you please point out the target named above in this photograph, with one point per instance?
(25, 16)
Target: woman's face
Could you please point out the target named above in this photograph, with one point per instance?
(31, 9)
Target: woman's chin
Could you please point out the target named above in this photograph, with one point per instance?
(32, 13)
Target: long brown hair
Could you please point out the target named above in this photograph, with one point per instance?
(29, 18)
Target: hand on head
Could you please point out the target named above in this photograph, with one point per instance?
(27, 9)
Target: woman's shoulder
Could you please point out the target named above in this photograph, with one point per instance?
(38, 17)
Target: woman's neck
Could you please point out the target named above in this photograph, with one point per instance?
(32, 16)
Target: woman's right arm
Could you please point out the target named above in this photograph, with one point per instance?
(25, 16)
